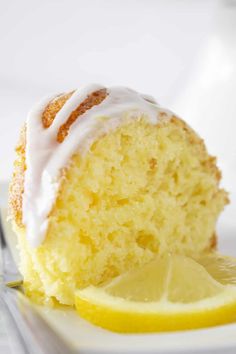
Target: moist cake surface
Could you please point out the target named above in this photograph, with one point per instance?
(104, 180)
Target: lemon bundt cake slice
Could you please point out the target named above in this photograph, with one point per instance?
(105, 179)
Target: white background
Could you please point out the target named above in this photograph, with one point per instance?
(180, 51)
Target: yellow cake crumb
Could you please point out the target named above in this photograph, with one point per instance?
(141, 190)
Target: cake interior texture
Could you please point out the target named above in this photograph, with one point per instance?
(141, 190)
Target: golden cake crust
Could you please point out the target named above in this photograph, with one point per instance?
(16, 188)
(55, 106)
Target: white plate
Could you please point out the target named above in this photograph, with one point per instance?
(88, 339)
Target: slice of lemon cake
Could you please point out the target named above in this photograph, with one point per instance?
(105, 179)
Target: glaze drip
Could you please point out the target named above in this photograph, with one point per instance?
(46, 156)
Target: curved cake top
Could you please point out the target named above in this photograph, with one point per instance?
(87, 114)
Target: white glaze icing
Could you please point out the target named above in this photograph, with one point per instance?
(45, 156)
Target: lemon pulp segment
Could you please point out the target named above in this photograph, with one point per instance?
(173, 292)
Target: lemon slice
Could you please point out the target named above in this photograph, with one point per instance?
(171, 293)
